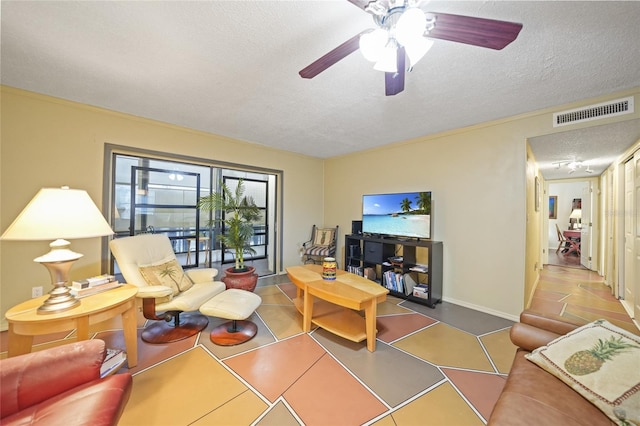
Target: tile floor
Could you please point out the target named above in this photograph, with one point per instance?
(431, 366)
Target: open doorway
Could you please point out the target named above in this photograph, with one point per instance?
(569, 229)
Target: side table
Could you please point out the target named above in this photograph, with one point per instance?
(25, 322)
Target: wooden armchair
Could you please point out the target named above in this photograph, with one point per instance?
(322, 244)
(567, 244)
(562, 241)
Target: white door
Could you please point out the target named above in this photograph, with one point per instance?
(609, 230)
(585, 233)
(635, 213)
(629, 261)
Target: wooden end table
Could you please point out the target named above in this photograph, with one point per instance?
(339, 301)
(25, 322)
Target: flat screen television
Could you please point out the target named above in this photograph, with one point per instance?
(404, 214)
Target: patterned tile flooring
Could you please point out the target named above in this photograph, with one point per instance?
(431, 366)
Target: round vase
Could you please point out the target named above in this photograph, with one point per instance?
(246, 280)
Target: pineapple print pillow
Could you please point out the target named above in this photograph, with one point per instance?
(602, 363)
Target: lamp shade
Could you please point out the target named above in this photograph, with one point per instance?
(576, 214)
(56, 213)
(372, 44)
(388, 60)
(417, 49)
(410, 26)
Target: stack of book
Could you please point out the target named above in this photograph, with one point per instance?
(114, 359)
(420, 268)
(93, 285)
(421, 291)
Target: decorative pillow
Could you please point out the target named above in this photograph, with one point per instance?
(169, 274)
(602, 363)
(323, 237)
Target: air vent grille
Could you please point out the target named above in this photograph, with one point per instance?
(594, 112)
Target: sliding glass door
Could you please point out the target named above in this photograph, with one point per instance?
(152, 195)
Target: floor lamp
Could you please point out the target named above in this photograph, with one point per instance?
(58, 214)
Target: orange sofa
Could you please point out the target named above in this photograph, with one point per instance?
(62, 386)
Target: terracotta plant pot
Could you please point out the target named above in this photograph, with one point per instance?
(246, 280)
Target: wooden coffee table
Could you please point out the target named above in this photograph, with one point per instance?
(25, 322)
(338, 303)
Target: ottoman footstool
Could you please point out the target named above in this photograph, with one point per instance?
(235, 305)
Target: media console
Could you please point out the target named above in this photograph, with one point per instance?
(411, 269)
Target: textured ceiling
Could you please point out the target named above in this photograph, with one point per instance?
(231, 67)
(596, 147)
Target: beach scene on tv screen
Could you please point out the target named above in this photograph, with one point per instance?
(404, 214)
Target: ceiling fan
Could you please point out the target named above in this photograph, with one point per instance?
(404, 32)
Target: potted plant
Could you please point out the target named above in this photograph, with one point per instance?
(238, 214)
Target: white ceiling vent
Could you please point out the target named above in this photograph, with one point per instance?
(594, 112)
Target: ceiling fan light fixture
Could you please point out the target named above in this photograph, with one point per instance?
(410, 26)
(388, 60)
(372, 44)
(376, 8)
(417, 49)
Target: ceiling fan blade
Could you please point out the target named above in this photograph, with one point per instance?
(360, 3)
(481, 32)
(340, 52)
(394, 81)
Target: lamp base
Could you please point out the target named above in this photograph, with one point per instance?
(58, 262)
(60, 299)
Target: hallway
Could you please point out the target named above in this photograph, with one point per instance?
(559, 259)
(578, 294)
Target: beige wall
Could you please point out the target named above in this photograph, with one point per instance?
(483, 193)
(477, 177)
(48, 142)
(481, 181)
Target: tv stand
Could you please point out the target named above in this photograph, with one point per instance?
(418, 278)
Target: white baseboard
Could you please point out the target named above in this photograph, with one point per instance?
(510, 317)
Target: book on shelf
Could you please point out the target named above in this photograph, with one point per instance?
(84, 292)
(93, 281)
(369, 273)
(421, 291)
(114, 359)
(396, 260)
(409, 284)
(394, 281)
(420, 268)
(355, 270)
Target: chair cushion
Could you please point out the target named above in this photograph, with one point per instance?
(320, 251)
(233, 304)
(323, 237)
(169, 274)
(193, 298)
(599, 361)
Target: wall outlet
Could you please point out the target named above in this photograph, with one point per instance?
(36, 291)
